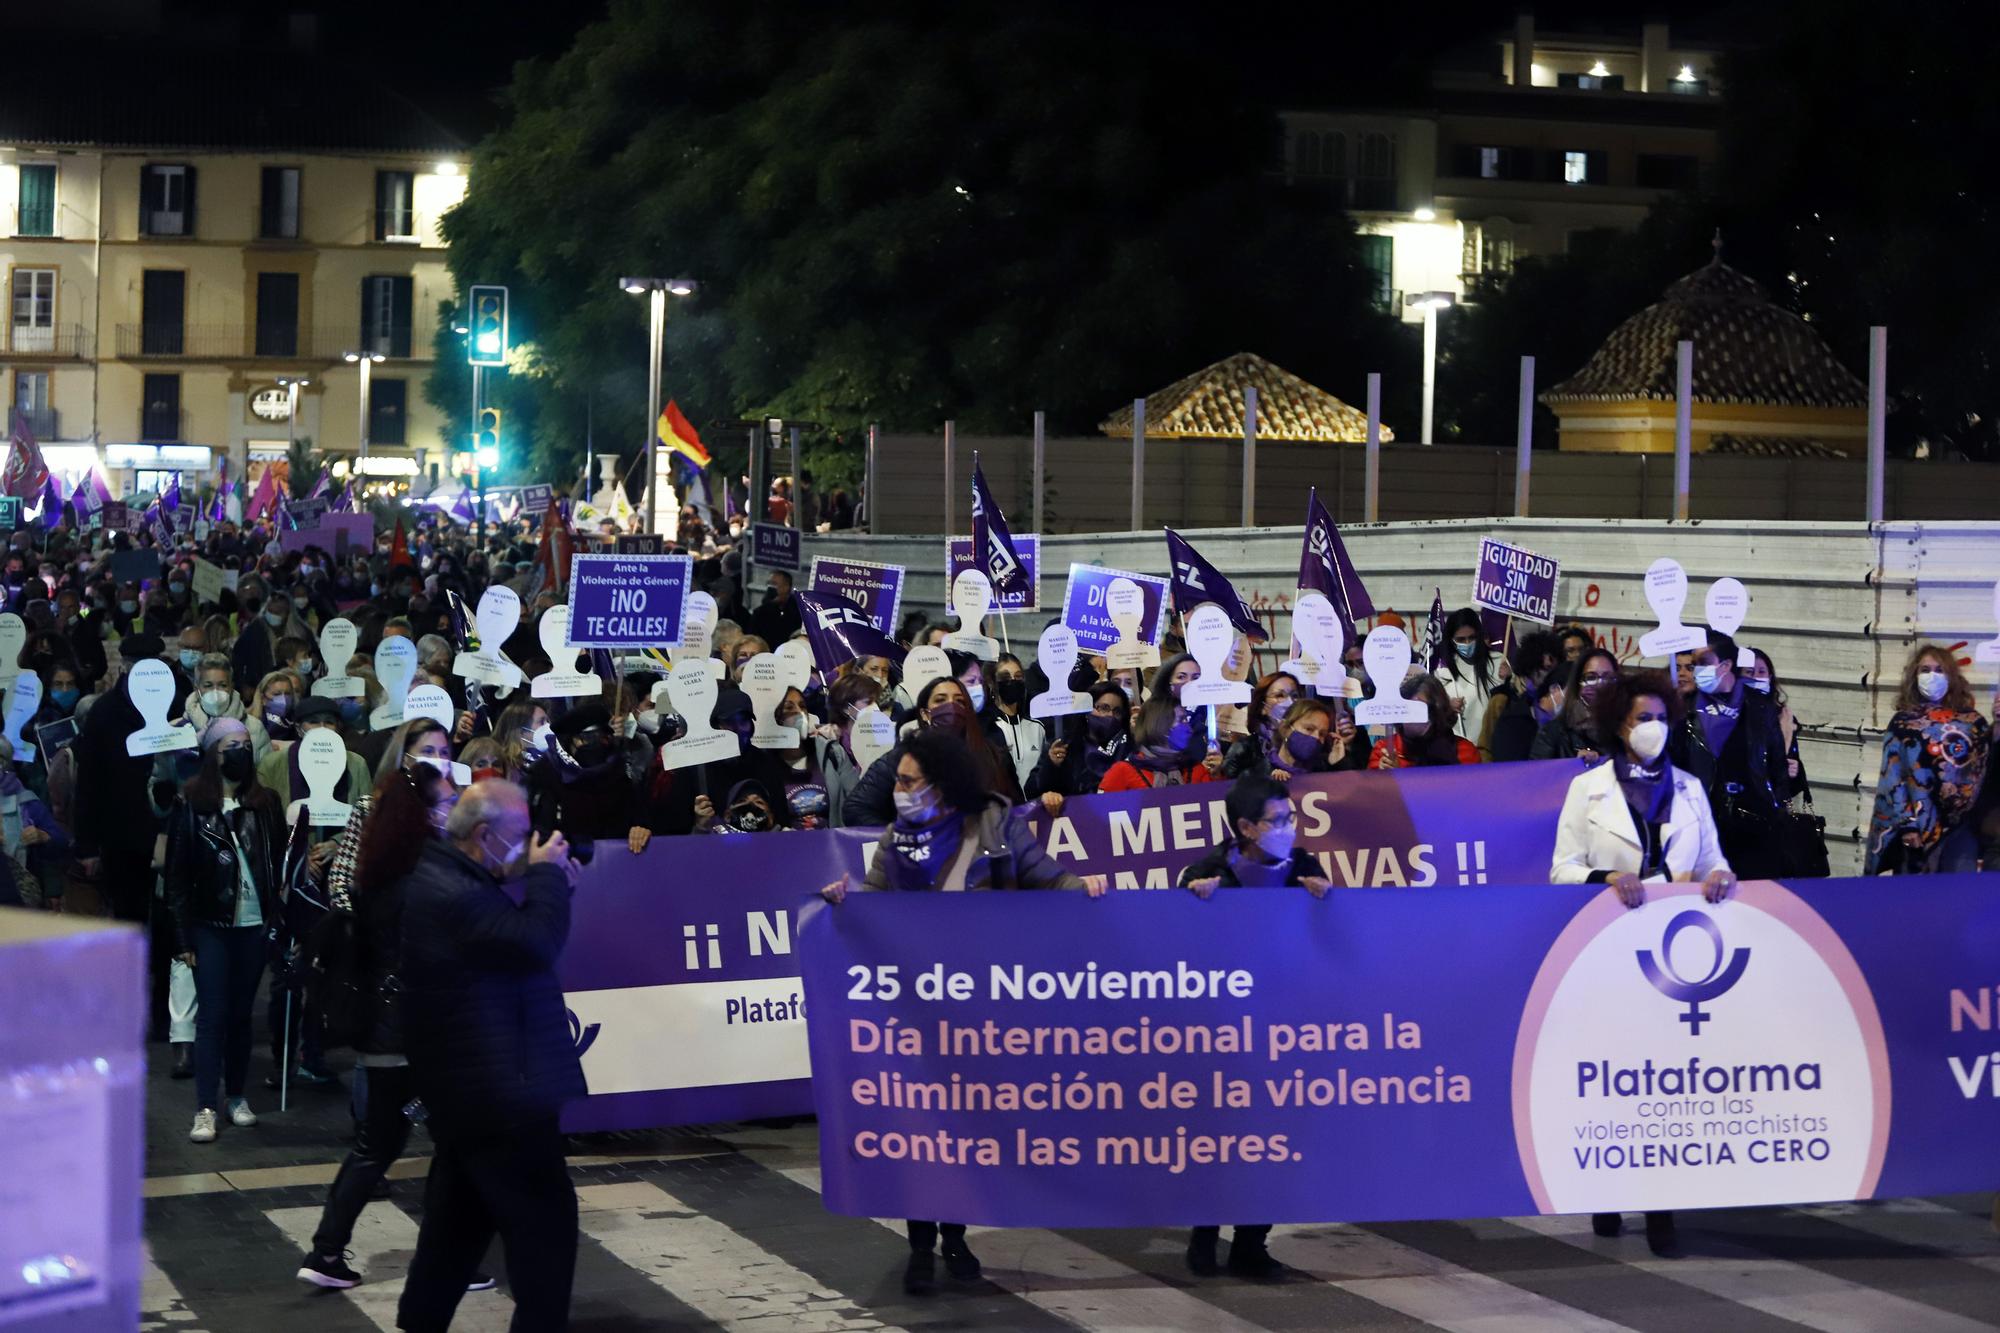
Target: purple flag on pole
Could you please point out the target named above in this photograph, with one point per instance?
(840, 632)
(1324, 567)
(321, 486)
(993, 550)
(1434, 647)
(170, 499)
(1196, 581)
(52, 502)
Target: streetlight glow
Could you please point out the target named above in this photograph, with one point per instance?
(657, 290)
(1425, 215)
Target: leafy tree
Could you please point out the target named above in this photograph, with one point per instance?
(918, 212)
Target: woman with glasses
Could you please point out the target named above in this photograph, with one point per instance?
(952, 835)
(1089, 744)
(1260, 854)
(1572, 732)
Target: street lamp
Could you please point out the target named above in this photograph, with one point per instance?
(366, 360)
(291, 385)
(657, 290)
(1430, 303)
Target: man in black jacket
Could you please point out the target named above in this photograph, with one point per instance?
(1731, 743)
(490, 1052)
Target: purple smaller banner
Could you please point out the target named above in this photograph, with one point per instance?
(774, 546)
(627, 601)
(1028, 546)
(1515, 582)
(536, 499)
(875, 590)
(1084, 613)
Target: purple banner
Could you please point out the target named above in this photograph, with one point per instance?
(537, 499)
(1084, 613)
(627, 601)
(774, 546)
(1027, 596)
(875, 590)
(1515, 581)
(1042, 1059)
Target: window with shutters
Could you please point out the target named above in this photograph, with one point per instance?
(166, 199)
(385, 315)
(1378, 257)
(277, 314)
(278, 209)
(395, 206)
(35, 214)
(162, 312)
(387, 401)
(160, 410)
(34, 310)
(31, 400)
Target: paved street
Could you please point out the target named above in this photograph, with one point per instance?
(724, 1229)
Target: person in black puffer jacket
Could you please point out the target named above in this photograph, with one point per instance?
(488, 1038)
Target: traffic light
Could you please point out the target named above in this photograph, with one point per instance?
(486, 439)
(487, 343)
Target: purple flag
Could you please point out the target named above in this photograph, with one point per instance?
(345, 504)
(1434, 647)
(321, 486)
(1324, 567)
(840, 632)
(170, 499)
(461, 508)
(52, 503)
(1196, 581)
(993, 550)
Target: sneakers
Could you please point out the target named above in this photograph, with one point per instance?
(304, 1078)
(204, 1126)
(240, 1114)
(328, 1270)
(960, 1261)
(481, 1282)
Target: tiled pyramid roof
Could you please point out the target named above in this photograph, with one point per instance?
(1208, 405)
(1746, 350)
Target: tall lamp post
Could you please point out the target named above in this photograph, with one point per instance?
(366, 360)
(1430, 303)
(656, 290)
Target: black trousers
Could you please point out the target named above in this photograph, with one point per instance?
(383, 1133)
(924, 1235)
(1251, 1236)
(513, 1182)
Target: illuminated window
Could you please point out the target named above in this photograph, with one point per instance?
(1576, 168)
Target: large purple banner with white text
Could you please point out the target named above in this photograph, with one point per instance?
(680, 975)
(1044, 1059)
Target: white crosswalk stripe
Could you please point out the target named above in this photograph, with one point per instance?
(162, 1308)
(1918, 1222)
(384, 1239)
(723, 1274)
(1751, 1278)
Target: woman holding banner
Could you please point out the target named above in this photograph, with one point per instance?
(951, 835)
(942, 705)
(1637, 821)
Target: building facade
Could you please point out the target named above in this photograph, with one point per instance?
(167, 287)
(1530, 145)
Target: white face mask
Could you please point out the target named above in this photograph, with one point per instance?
(1707, 678)
(916, 805)
(215, 701)
(1647, 740)
(1933, 684)
(977, 693)
(649, 721)
(1276, 843)
(1757, 683)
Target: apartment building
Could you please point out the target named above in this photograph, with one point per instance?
(200, 273)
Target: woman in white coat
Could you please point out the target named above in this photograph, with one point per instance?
(1637, 821)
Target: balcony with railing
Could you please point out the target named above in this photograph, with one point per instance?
(42, 422)
(232, 342)
(161, 423)
(54, 341)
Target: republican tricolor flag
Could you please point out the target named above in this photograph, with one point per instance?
(678, 434)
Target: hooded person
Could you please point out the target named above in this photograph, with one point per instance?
(583, 788)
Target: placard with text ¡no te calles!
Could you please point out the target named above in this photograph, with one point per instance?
(628, 601)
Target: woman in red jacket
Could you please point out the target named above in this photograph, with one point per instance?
(1425, 744)
(1168, 752)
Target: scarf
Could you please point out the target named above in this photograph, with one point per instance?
(1252, 873)
(1098, 759)
(1718, 716)
(921, 855)
(1646, 790)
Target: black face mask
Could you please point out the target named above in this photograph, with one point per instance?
(236, 765)
(593, 752)
(749, 819)
(1101, 729)
(1011, 691)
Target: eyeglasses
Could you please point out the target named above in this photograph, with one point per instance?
(1599, 677)
(1282, 821)
(906, 783)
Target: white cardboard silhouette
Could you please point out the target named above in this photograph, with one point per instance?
(1210, 637)
(1990, 650)
(432, 702)
(972, 598)
(795, 663)
(1385, 656)
(336, 646)
(764, 681)
(1318, 640)
(322, 763)
(1727, 604)
(874, 735)
(1125, 606)
(697, 628)
(152, 687)
(1056, 655)
(13, 638)
(1667, 594)
(691, 687)
(498, 615)
(921, 666)
(563, 680)
(395, 668)
(24, 698)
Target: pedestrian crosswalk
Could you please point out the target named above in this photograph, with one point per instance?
(738, 1240)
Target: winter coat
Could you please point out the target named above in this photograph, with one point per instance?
(1007, 855)
(202, 876)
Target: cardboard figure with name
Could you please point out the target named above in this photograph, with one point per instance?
(13, 638)
(1056, 655)
(1667, 594)
(337, 640)
(921, 666)
(691, 688)
(498, 616)
(1727, 605)
(697, 628)
(795, 661)
(395, 669)
(322, 763)
(152, 685)
(873, 736)
(1385, 656)
(1318, 640)
(1989, 651)
(563, 680)
(972, 598)
(1125, 607)
(432, 702)
(764, 681)
(1210, 637)
(24, 700)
